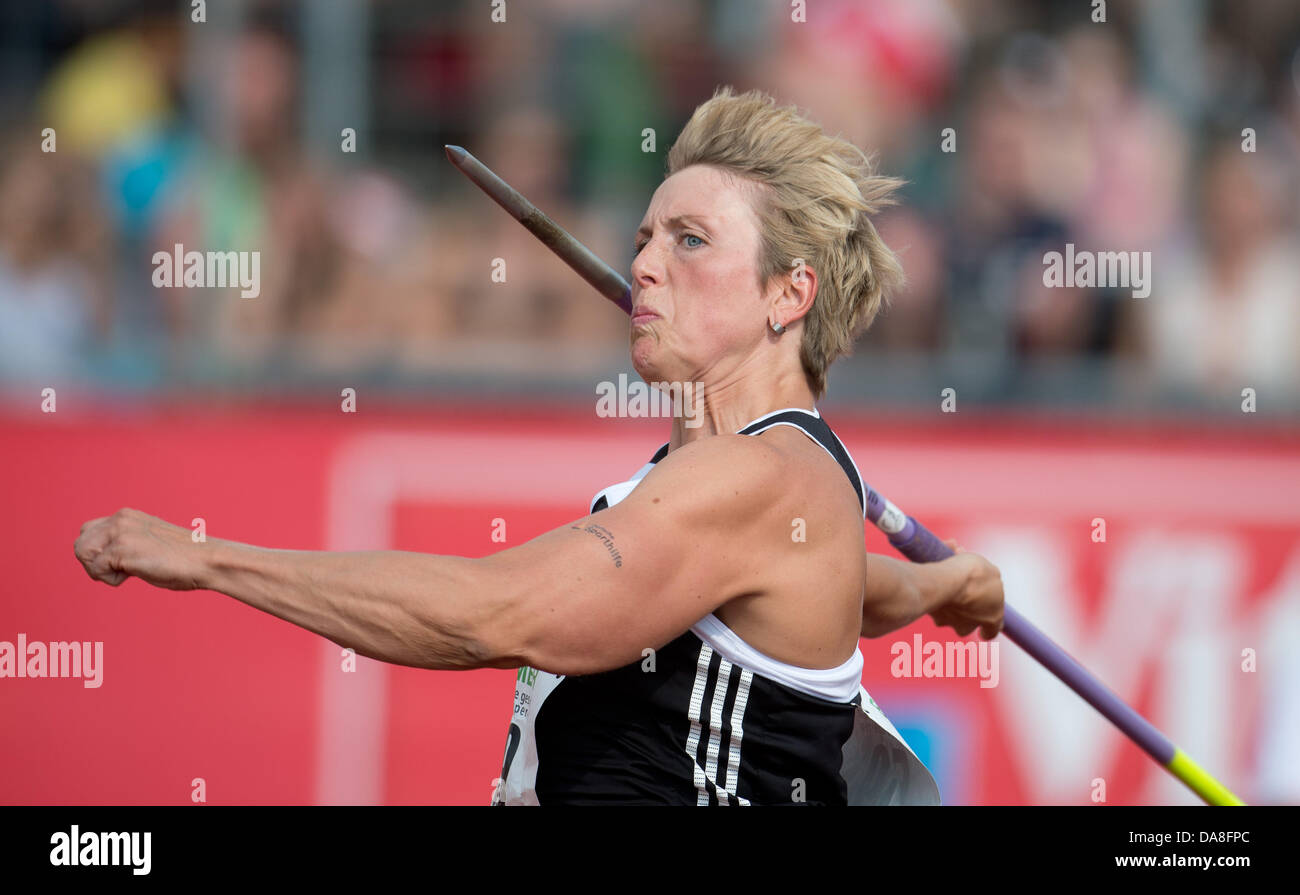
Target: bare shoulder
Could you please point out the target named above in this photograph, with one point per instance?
(749, 478)
(732, 473)
(816, 473)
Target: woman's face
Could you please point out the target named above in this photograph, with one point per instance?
(696, 272)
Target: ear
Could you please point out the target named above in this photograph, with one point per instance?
(798, 288)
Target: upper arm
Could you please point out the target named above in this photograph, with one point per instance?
(594, 594)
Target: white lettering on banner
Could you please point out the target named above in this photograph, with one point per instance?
(1276, 629)
(1160, 589)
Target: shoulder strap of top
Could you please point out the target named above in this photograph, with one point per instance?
(812, 425)
(808, 422)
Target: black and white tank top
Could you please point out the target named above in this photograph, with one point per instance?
(707, 719)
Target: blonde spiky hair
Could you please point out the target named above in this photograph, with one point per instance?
(816, 196)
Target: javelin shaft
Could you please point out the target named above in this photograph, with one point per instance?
(919, 544)
(596, 272)
(908, 536)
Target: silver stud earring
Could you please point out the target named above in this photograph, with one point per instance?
(778, 328)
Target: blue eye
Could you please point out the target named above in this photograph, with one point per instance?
(693, 236)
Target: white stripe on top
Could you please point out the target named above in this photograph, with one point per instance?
(737, 732)
(839, 684)
(693, 713)
(715, 727)
(713, 749)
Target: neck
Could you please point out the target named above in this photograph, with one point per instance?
(725, 408)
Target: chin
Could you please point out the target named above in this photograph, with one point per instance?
(643, 369)
(642, 353)
(647, 371)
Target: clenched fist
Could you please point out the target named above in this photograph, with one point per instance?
(980, 602)
(130, 542)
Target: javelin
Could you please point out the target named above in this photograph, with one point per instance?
(909, 537)
(596, 272)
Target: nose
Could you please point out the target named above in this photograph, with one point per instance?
(646, 268)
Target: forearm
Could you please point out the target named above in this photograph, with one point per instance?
(899, 592)
(406, 608)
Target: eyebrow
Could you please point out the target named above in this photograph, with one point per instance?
(675, 222)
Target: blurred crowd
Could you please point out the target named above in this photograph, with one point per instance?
(1125, 135)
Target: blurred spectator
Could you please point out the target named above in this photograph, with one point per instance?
(1009, 206)
(250, 189)
(381, 263)
(112, 86)
(541, 299)
(913, 319)
(384, 305)
(1228, 316)
(869, 71)
(54, 254)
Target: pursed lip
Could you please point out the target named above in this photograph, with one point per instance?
(642, 314)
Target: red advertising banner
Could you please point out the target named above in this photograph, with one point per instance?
(1166, 560)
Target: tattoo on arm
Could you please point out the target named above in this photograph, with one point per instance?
(605, 538)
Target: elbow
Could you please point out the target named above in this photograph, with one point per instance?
(545, 647)
(879, 626)
(447, 644)
(499, 627)
(471, 629)
(881, 617)
(546, 641)
(492, 643)
(519, 624)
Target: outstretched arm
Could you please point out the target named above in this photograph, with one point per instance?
(585, 597)
(382, 604)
